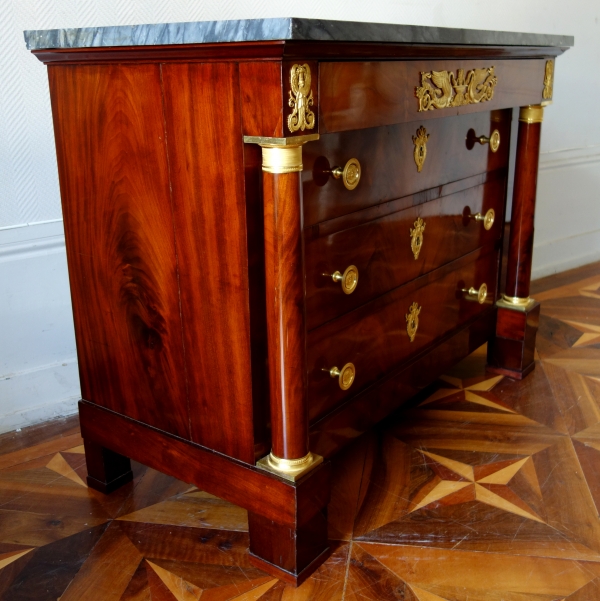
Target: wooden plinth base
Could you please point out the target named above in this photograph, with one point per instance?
(511, 351)
(287, 520)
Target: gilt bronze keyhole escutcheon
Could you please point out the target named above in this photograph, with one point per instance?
(417, 236)
(420, 152)
(412, 321)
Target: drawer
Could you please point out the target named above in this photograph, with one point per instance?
(383, 250)
(375, 339)
(388, 167)
(361, 94)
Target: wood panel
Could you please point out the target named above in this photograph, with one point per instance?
(369, 94)
(388, 169)
(233, 480)
(278, 49)
(260, 97)
(203, 120)
(381, 249)
(114, 182)
(361, 412)
(374, 337)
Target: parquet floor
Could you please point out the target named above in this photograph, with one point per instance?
(485, 489)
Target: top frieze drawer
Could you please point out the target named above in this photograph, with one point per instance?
(359, 95)
(398, 160)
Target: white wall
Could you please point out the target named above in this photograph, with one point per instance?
(38, 375)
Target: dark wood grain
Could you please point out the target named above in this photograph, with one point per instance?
(374, 337)
(261, 85)
(520, 252)
(511, 351)
(387, 164)
(203, 120)
(258, 305)
(381, 249)
(114, 181)
(361, 412)
(357, 95)
(295, 551)
(286, 328)
(107, 470)
(278, 49)
(230, 479)
(53, 430)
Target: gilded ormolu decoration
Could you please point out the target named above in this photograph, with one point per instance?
(412, 320)
(420, 142)
(301, 99)
(548, 80)
(441, 89)
(416, 237)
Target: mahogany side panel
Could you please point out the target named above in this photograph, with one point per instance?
(286, 328)
(388, 169)
(357, 95)
(202, 115)
(112, 161)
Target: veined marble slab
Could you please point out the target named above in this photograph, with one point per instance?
(255, 30)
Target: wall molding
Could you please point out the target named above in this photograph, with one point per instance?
(569, 157)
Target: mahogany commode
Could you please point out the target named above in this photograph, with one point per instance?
(280, 230)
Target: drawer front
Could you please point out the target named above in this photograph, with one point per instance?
(394, 249)
(361, 94)
(387, 161)
(375, 338)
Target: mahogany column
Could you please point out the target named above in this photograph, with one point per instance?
(511, 352)
(286, 324)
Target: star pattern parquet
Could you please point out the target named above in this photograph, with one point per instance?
(482, 489)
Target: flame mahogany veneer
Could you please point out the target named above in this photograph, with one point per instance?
(192, 312)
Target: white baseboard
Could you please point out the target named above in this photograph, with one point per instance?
(39, 394)
(567, 224)
(560, 255)
(38, 370)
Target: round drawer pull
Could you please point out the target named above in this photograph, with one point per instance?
(475, 294)
(488, 218)
(412, 321)
(348, 279)
(350, 174)
(493, 140)
(345, 375)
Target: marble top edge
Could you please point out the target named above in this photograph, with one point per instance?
(292, 28)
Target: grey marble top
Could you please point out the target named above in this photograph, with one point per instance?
(253, 30)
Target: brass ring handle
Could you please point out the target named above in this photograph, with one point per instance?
(345, 375)
(350, 174)
(488, 218)
(493, 140)
(348, 279)
(477, 294)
